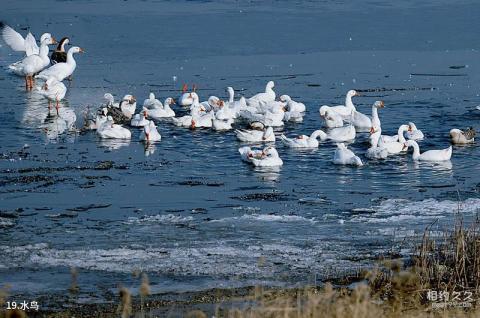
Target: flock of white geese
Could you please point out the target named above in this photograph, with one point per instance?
(259, 114)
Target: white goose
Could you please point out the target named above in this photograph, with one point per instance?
(394, 147)
(302, 141)
(268, 157)
(61, 71)
(128, 105)
(222, 124)
(110, 130)
(462, 137)
(344, 156)
(17, 43)
(53, 91)
(165, 111)
(140, 120)
(291, 105)
(267, 96)
(99, 119)
(234, 105)
(186, 99)
(376, 152)
(264, 135)
(33, 63)
(429, 155)
(413, 133)
(150, 133)
(340, 134)
(332, 119)
(375, 119)
(346, 110)
(152, 102)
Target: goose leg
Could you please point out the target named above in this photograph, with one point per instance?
(26, 82)
(49, 105)
(57, 106)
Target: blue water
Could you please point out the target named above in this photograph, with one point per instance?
(189, 212)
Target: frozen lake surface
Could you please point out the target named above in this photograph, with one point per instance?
(189, 212)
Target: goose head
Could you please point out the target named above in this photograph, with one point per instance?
(45, 36)
(213, 101)
(257, 125)
(412, 127)
(61, 45)
(76, 49)
(129, 98)
(169, 101)
(230, 90)
(48, 39)
(379, 104)
(285, 98)
(270, 85)
(269, 152)
(323, 110)
(151, 96)
(352, 93)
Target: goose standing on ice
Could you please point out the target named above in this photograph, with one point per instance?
(429, 155)
(344, 156)
(460, 137)
(19, 44)
(62, 70)
(60, 55)
(53, 91)
(33, 63)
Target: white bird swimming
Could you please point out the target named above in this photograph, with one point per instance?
(267, 96)
(186, 99)
(375, 119)
(268, 157)
(127, 105)
(346, 110)
(17, 43)
(344, 156)
(150, 133)
(33, 63)
(162, 111)
(303, 141)
(413, 133)
(152, 102)
(429, 155)
(460, 137)
(256, 135)
(110, 130)
(53, 91)
(332, 119)
(340, 134)
(140, 120)
(394, 147)
(202, 120)
(291, 105)
(61, 71)
(222, 124)
(376, 152)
